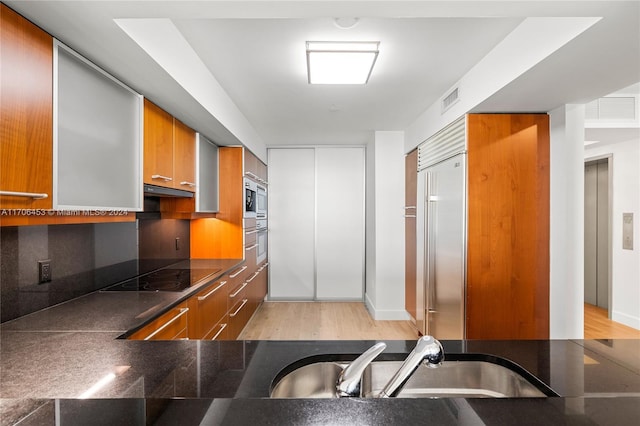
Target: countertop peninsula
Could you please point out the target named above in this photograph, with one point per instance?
(53, 359)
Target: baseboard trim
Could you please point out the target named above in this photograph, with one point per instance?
(628, 320)
(385, 314)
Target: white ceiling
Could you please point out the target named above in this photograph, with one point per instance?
(255, 51)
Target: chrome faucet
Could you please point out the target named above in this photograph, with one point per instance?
(428, 350)
(350, 378)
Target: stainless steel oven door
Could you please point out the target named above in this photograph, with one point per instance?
(261, 240)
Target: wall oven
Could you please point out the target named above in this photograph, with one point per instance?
(250, 198)
(261, 202)
(261, 241)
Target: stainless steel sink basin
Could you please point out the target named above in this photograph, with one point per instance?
(453, 379)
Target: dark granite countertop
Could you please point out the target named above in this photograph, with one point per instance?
(52, 358)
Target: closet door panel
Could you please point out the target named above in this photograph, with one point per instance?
(291, 224)
(340, 192)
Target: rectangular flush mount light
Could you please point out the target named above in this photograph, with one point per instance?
(340, 62)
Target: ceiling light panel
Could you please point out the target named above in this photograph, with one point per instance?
(340, 62)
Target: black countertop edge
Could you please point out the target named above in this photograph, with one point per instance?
(345, 411)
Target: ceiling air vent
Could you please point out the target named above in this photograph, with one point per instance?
(450, 99)
(612, 108)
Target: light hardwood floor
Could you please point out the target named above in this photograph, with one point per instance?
(598, 326)
(351, 321)
(322, 321)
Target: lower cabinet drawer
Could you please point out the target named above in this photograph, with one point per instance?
(239, 315)
(169, 326)
(220, 331)
(207, 308)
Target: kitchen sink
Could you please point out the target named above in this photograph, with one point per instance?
(491, 377)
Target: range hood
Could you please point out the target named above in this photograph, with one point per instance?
(160, 191)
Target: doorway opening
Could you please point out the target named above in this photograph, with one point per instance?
(597, 233)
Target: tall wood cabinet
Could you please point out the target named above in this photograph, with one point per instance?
(508, 226)
(26, 114)
(410, 200)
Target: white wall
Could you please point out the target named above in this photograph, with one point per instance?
(566, 293)
(625, 264)
(385, 228)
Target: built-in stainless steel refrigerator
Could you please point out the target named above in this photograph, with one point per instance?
(441, 248)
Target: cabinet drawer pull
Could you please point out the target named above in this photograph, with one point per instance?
(34, 195)
(234, 294)
(212, 291)
(409, 215)
(251, 232)
(238, 273)
(251, 247)
(244, 302)
(222, 327)
(409, 207)
(164, 178)
(187, 183)
(166, 324)
(255, 274)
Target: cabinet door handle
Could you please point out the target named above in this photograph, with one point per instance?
(201, 298)
(251, 232)
(164, 178)
(239, 272)
(251, 175)
(255, 274)
(235, 293)
(251, 247)
(34, 195)
(166, 324)
(244, 302)
(222, 327)
(187, 183)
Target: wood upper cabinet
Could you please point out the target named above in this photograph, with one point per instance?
(184, 156)
(508, 226)
(411, 190)
(26, 114)
(169, 150)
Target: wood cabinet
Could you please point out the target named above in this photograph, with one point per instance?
(26, 114)
(172, 325)
(411, 176)
(254, 168)
(508, 226)
(207, 308)
(169, 150)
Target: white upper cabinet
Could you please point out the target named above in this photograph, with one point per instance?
(97, 137)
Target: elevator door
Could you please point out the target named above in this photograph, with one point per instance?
(596, 233)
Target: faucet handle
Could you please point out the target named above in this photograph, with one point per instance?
(350, 378)
(431, 350)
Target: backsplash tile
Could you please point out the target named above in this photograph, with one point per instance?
(84, 258)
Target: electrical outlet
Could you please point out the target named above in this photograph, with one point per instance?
(44, 271)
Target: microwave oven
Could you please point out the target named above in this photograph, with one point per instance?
(250, 198)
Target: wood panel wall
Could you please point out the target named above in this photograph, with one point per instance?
(508, 226)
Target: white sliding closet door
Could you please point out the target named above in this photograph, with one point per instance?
(291, 224)
(340, 223)
(316, 223)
